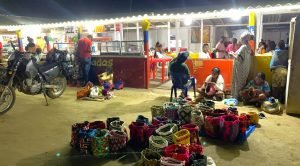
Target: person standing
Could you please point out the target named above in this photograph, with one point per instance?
(241, 66)
(205, 52)
(30, 47)
(234, 46)
(220, 48)
(278, 66)
(84, 51)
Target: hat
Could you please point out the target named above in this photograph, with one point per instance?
(182, 57)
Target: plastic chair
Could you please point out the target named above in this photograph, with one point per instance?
(185, 89)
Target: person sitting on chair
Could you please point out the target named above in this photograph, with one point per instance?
(256, 91)
(213, 86)
(180, 73)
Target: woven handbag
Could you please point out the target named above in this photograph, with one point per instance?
(109, 120)
(157, 143)
(96, 125)
(244, 122)
(254, 118)
(171, 110)
(206, 107)
(157, 111)
(149, 158)
(167, 131)
(177, 122)
(142, 119)
(138, 134)
(168, 161)
(177, 152)
(217, 112)
(85, 139)
(213, 125)
(182, 137)
(197, 118)
(151, 130)
(117, 140)
(198, 160)
(117, 125)
(185, 113)
(196, 148)
(74, 134)
(159, 120)
(233, 111)
(194, 132)
(100, 143)
(230, 129)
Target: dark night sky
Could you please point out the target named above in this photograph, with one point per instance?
(80, 9)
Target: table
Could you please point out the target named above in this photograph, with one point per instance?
(163, 61)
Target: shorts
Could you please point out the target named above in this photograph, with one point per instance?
(279, 77)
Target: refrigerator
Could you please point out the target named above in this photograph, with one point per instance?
(293, 77)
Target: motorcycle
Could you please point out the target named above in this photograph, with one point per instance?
(31, 78)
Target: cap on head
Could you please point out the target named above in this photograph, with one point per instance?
(182, 57)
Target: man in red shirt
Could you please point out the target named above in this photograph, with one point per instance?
(84, 51)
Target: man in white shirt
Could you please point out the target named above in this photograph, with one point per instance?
(213, 86)
(205, 52)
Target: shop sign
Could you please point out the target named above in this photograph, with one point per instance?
(102, 62)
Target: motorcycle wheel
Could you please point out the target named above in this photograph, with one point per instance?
(7, 100)
(61, 82)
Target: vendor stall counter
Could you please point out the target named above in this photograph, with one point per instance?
(201, 68)
(125, 59)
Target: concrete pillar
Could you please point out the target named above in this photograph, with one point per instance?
(177, 35)
(137, 31)
(259, 27)
(201, 40)
(212, 36)
(169, 37)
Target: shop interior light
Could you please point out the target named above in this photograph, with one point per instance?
(188, 21)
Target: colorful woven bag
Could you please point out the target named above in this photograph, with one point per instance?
(168, 161)
(157, 143)
(185, 114)
(196, 148)
(177, 152)
(151, 130)
(109, 120)
(85, 139)
(171, 110)
(117, 125)
(217, 112)
(230, 129)
(117, 140)
(182, 137)
(213, 125)
(157, 111)
(194, 132)
(96, 125)
(254, 118)
(142, 119)
(74, 134)
(159, 120)
(198, 160)
(138, 134)
(167, 131)
(197, 118)
(233, 111)
(100, 143)
(149, 158)
(244, 122)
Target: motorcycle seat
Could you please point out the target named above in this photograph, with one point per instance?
(46, 66)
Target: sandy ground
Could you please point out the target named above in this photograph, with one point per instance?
(33, 134)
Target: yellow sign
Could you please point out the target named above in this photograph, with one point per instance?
(100, 28)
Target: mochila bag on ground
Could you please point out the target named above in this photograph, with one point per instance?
(167, 131)
(109, 120)
(117, 140)
(138, 134)
(177, 152)
(157, 111)
(230, 129)
(185, 113)
(213, 125)
(100, 143)
(157, 143)
(197, 118)
(194, 132)
(168, 161)
(171, 110)
(149, 158)
(182, 137)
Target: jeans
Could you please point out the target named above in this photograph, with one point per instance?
(85, 68)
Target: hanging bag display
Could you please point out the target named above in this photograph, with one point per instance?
(182, 137)
(167, 131)
(168, 161)
(157, 111)
(194, 132)
(100, 143)
(157, 143)
(185, 113)
(230, 129)
(171, 110)
(117, 140)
